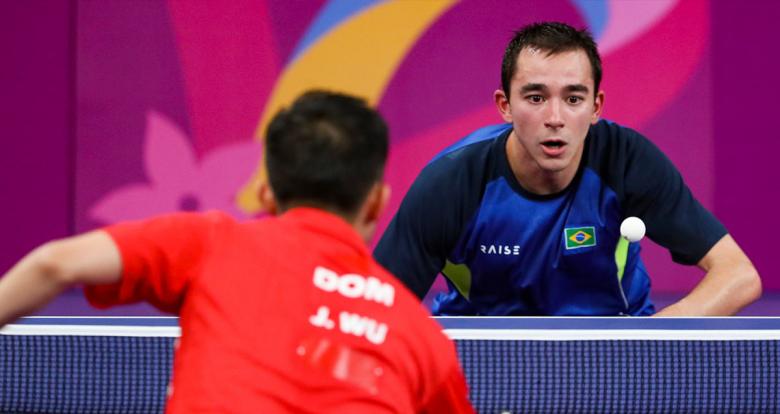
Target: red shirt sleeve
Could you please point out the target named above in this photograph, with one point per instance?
(451, 396)
(160, 257)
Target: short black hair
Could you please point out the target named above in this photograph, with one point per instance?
(326, 150)
(553, 38)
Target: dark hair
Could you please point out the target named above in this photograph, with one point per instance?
(326, 150)
(554, 38)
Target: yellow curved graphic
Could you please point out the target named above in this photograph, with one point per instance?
(357, 57)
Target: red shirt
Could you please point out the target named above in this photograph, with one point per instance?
(284, 314)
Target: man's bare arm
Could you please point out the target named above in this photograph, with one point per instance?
(730, 284)
(91, 258)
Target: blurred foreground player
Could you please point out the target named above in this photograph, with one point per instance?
(280, 314)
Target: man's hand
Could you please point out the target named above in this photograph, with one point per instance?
(730, 284)
(91, 258)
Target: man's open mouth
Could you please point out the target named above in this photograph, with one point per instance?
(553, 147)
(553, 144)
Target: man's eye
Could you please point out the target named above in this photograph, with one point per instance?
(535, 98)
(574, 99)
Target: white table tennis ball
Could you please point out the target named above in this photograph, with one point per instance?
(632, 229)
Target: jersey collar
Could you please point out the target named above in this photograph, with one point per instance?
(322, 221)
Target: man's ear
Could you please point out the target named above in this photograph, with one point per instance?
(382, 197)
(367, 218)
(598, 106)
(267, 198)
(502, 104)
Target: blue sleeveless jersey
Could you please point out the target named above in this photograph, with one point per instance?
(506, 251)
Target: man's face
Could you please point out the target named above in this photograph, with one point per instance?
(551, 106)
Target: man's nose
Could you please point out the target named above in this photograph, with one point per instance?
(554, 116)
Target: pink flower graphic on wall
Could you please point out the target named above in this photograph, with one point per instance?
(177, 180)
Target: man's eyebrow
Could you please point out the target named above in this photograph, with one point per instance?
(577, 88)
(533, 87)
(540, 87)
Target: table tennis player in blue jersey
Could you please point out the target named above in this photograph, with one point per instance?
(523, 218)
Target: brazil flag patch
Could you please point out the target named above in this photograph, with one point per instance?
(577, 237)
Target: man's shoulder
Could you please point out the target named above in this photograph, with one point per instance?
(468, 160)
(611, 142)
(610, 132)
(176, 221)
(476, 141)
(213, 216)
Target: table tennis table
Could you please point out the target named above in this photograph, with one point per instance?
(513, 365)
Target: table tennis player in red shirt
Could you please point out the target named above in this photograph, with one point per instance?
(287, 313)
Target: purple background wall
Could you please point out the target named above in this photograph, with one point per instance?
(36, 124)
(62, 90)
(745, 126)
